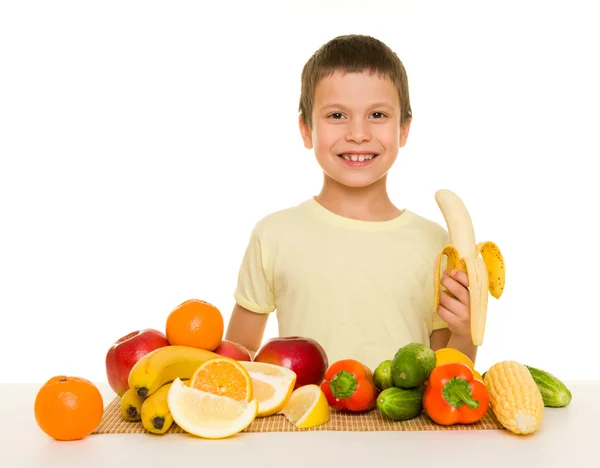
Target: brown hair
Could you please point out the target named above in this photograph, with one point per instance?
(353, 53)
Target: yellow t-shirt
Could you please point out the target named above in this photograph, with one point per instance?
(362, 289)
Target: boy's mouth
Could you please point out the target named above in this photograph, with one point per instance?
(358, 157)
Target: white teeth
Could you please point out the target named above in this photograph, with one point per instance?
(361, 157)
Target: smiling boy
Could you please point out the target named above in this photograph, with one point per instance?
(347, 267)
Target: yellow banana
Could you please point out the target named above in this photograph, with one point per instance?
(155, 414)
(483, 262)
(163, 365)
(156, 417)
(131, 405)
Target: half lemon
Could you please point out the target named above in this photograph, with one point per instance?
(307, 407)
(208, 415)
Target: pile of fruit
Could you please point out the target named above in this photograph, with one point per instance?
(213, 388)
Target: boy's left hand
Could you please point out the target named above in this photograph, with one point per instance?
(455, 311)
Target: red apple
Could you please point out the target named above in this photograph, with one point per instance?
(128, 350)
(304, 356)
(233, 350)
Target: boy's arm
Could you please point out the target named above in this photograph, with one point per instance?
(443, 338)
(246, 328)
(439, 338)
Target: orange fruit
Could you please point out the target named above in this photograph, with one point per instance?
(68, 408)
(195, 323)
(223, 376)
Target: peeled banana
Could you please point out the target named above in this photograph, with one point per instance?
(483, 262)
(131, 405)
(156, 417)
(163, 365)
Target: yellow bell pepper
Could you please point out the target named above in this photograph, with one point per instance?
(451, 355)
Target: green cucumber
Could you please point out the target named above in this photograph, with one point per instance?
(412, 365)
(382, 377)
(401, 404)
(554, 392)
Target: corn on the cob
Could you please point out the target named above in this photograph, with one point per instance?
(514, 397)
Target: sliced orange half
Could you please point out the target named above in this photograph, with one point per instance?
(223, 376)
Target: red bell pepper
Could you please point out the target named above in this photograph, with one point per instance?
(453, 395)
(348, 385)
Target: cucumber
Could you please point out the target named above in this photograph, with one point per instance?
(412, 365)
(401, 404)
(382, 377)
(554, 392)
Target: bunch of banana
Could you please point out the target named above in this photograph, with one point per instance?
(150, 380)
(163, 365)
(156, 417)
(131, 405)
(482, 262)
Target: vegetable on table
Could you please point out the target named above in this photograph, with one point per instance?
(382, 376)
(448, 355)
(555, 393)
(348, 385)
(515, 398)
(454, 396)
(401, 404)
(412, 364)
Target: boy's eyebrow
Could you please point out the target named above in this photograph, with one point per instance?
(341, 106)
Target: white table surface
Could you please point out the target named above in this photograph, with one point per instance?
(569, 437)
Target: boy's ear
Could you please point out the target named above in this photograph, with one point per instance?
(305, 132)
(404, 129)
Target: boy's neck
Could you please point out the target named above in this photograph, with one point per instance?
(370, 203)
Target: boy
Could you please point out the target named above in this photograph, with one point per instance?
(347, 267)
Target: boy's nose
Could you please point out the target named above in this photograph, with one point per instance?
(358, 132)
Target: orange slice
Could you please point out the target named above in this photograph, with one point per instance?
(223, 376)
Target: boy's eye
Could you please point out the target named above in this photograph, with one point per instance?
(339, 115)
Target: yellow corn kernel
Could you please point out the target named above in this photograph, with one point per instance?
(514, 397)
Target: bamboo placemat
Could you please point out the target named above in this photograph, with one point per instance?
(113, 423)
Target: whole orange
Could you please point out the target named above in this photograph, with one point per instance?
(68, 408)
(195, 323)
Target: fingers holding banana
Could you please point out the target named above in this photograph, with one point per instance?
(457, 284)
(455, 301)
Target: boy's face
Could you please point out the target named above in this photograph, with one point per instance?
(356, 130)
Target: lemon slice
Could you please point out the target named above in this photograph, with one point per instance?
(307, 407)
(272, 385)
(208, 415)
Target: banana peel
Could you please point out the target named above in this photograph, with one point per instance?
(483, 262)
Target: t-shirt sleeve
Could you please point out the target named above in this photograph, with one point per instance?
(254, 289)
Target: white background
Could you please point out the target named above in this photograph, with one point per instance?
(141, 141)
